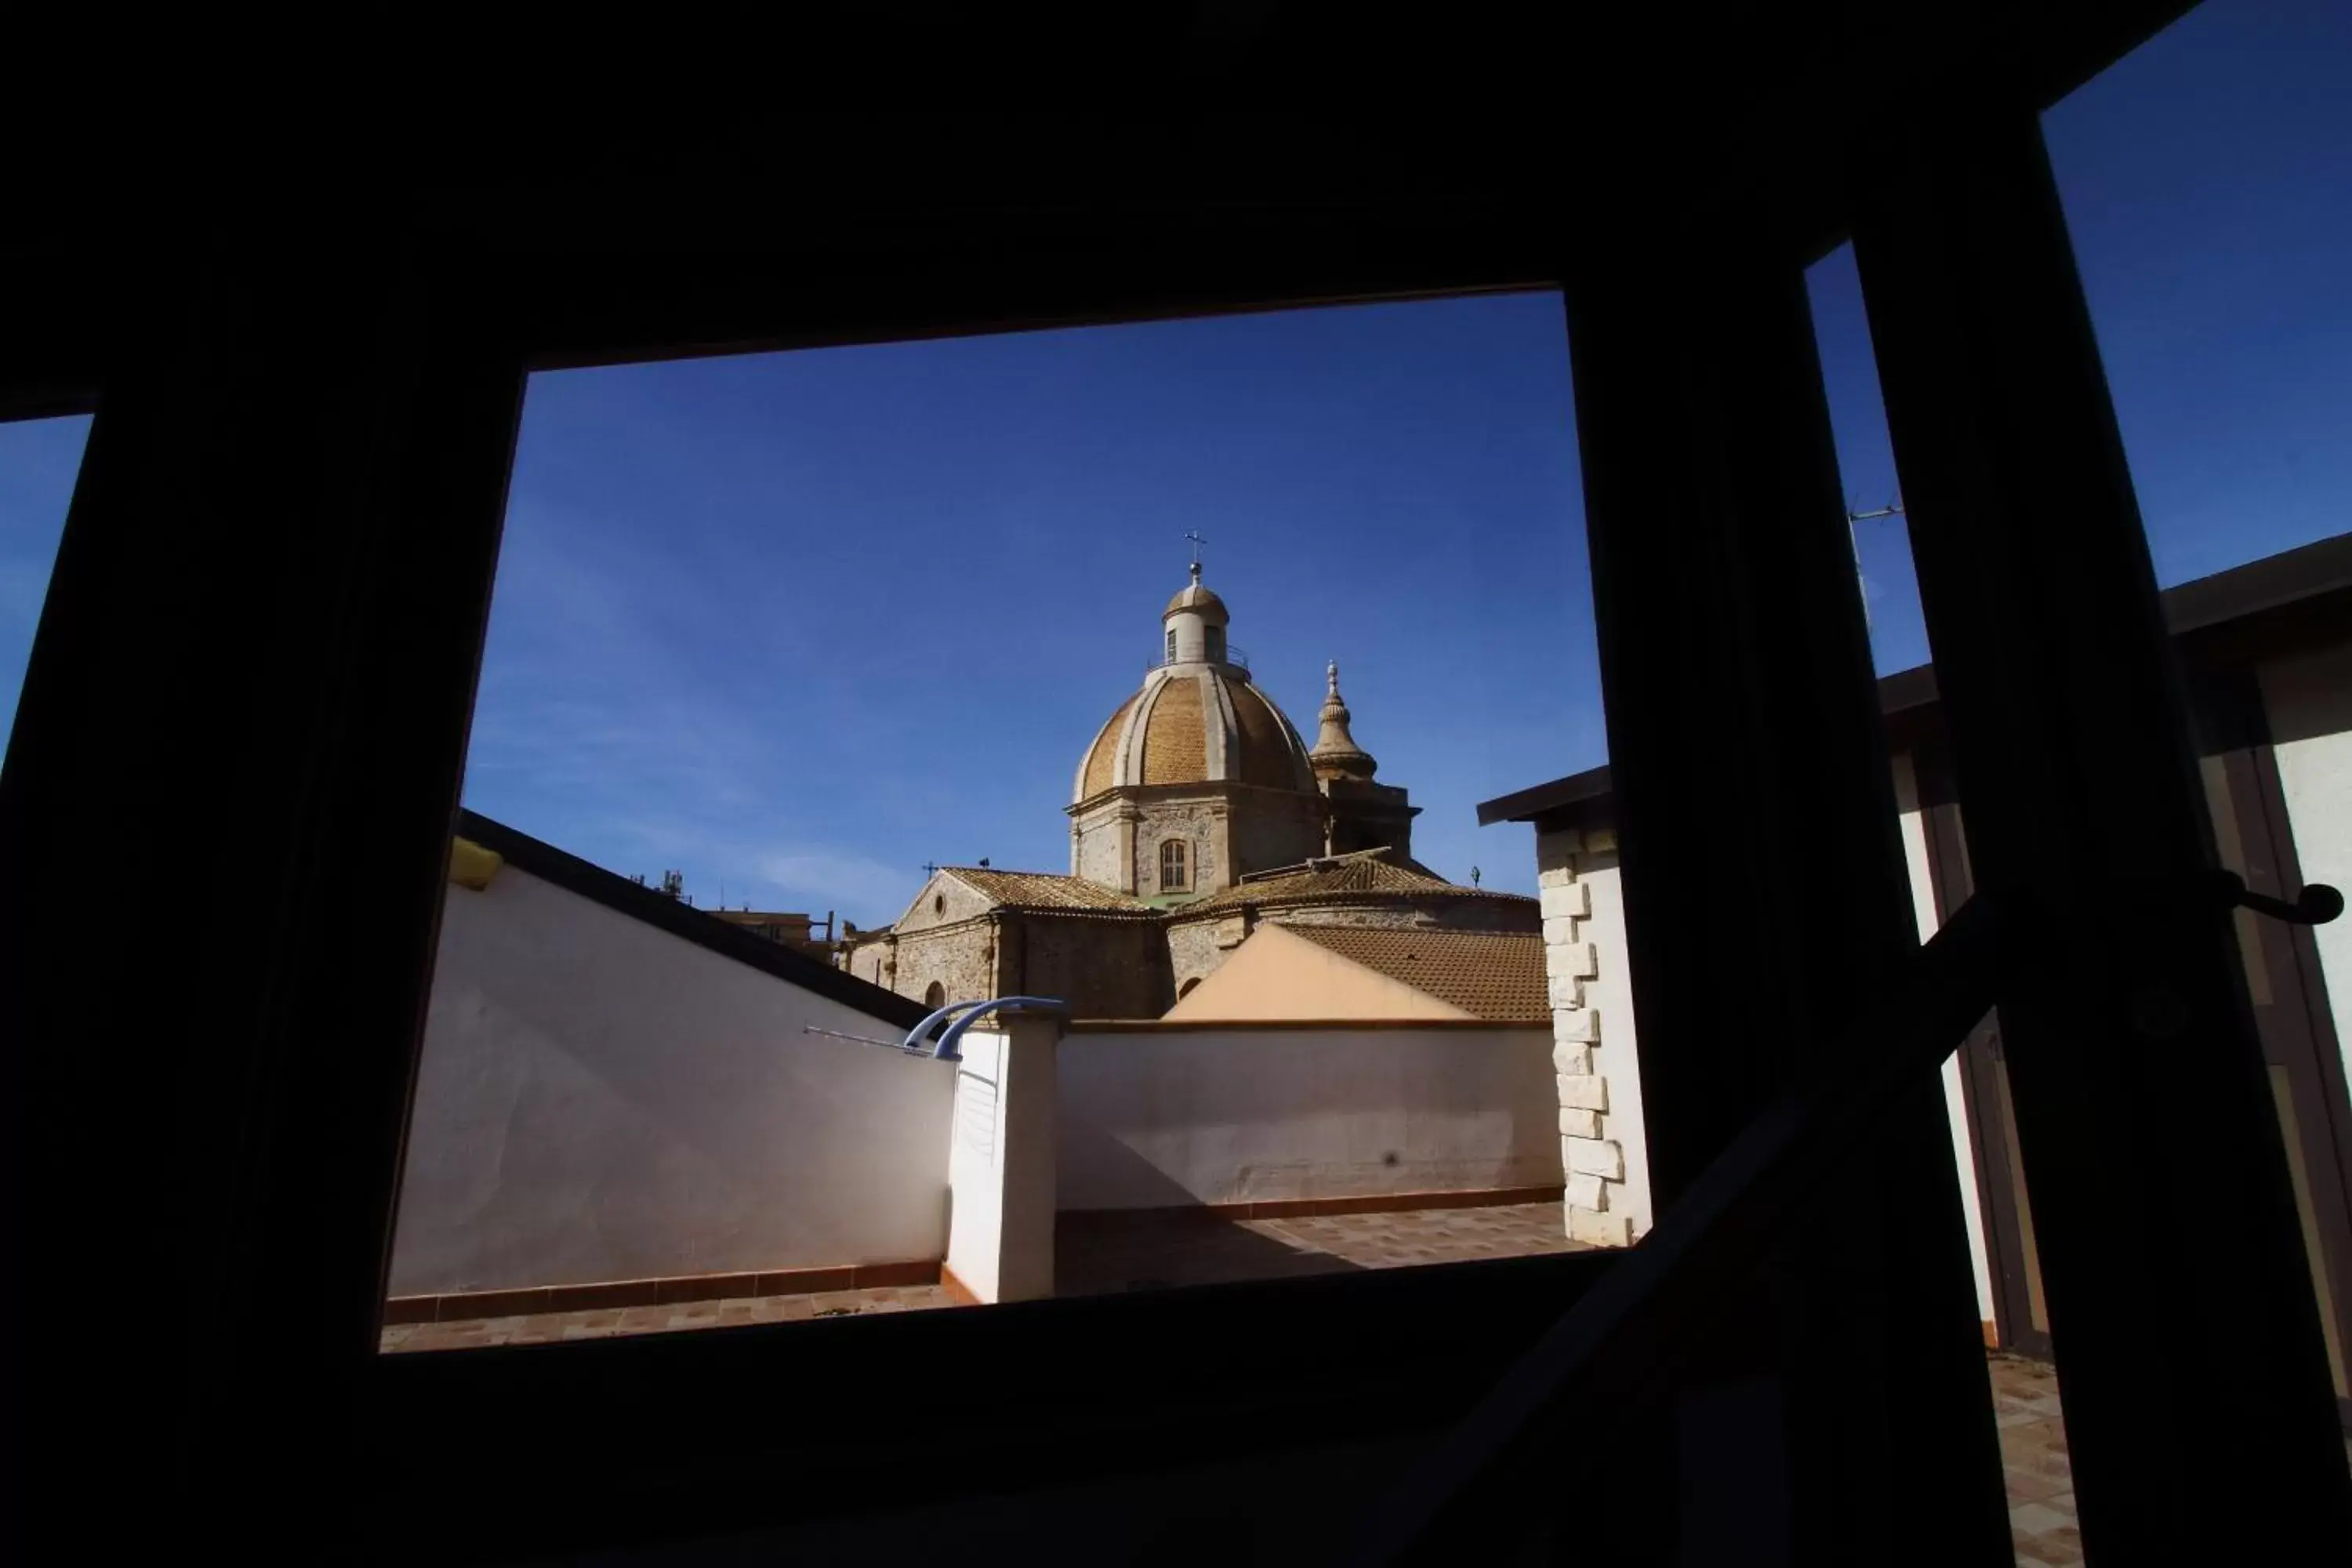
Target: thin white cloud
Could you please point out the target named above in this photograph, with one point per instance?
(836, 879)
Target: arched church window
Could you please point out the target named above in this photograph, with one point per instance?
(1172, 645)
(935, 995)
(1174, 872)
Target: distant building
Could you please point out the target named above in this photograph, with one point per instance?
(793, 930)
(1196, 812)
(1287, 972)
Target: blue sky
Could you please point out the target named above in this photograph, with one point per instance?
(38, 458)
(803, 622)
(796, 623)
(2207, 180)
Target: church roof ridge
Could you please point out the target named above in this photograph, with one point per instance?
(1042, 890)
(1338, 879)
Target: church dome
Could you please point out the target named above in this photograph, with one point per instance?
(1202, 724)
(1199, 717)
(1203, 602)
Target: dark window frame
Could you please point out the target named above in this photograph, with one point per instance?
(1181, 860)
(446, 318)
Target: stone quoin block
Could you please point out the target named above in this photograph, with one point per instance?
(1572, 1058)
(1599, 1229)
(1569, 902)
(1560, 931)
(1576, 1123)
(1586, 1093)
(1575, 958)
(1572, 901)
(1587, 1192)
(1556, 853)
(1566, 993)
(1581, 1025)
(1593, 1157)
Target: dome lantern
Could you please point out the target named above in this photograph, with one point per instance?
(1192, 627)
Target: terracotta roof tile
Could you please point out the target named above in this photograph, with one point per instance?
(1175, 746)
(1042, 890)
(1335, 879)
(1494, 975)
(1102, 757)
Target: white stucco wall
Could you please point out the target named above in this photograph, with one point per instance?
(1922, 905)
(1593, 1003)
(1161, 1117)
(2308, 702)
(599, 1100)
(1001, 1166)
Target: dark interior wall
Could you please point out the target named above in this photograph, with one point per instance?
(255, 670)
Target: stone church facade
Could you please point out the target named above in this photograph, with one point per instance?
(1196, 812)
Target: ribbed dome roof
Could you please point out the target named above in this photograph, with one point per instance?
(1201, 601)
(1195, 724)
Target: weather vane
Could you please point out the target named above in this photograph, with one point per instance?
(1197, 541)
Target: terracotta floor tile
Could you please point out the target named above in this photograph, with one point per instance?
(2036, 1518)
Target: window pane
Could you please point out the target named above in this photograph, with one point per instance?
(2204, 180)
(851, 645)
(38, 461)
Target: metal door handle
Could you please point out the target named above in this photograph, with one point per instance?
(2317, 904)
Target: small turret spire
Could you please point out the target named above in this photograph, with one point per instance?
(1335, 753)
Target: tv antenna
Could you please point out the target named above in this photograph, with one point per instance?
(1854, 543)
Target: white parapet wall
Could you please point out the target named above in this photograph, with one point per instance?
(599, 1100)
(1002, 1160)
(1163, 1115)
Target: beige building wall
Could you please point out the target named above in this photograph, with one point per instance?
(1277, 975)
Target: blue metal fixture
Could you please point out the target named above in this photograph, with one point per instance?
(945, 1047)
